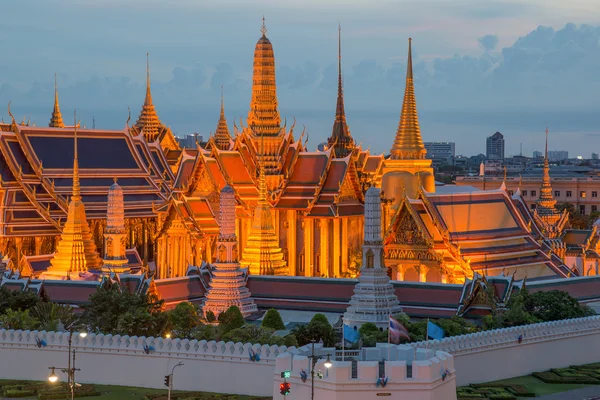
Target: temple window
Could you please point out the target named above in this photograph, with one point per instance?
(370, 258)
(582, 194)
(533, 193)
(594, 194)
(569, 193)
(582, 209)
(557, 193)
(524, 193)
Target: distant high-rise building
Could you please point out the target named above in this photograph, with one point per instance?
(494, 147)
(537, 154)
(594, 156)
(189, 141)
(558, 155)
(439, 149)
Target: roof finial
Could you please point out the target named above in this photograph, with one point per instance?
(148, 94)
(339, 59)
(56, 119)
(546, 152)
(222, 104)
(263, 29)
(409, 68)
(76, 188)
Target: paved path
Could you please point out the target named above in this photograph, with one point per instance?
(588, 393)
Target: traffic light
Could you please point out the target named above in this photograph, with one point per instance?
(286, 374)
(284, 388)
(168, 380)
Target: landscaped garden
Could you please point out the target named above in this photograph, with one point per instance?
(538, 384)
(28, 390)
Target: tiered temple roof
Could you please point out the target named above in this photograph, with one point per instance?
(36, 175)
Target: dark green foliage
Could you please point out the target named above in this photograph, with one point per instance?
(290, 340)
(204, 332)
(52, 315)
(210, 317)
(317, 329)
(183, 319)
(10, 299)
(555, 305)
(253, 334)
(18, 319)
(370, 335)
(273, 320)
(230, 320)
(114, 311)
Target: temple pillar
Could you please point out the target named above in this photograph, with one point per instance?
(399, 273)
(291, 242)
(324, 247)
(337, 270)
(19, 248)
(145, 240)
(423, 273)
(209, 250)
(308, 246)
(444, 278)
(38, 245)
(345, 245)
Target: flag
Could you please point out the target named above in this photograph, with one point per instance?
(351, 335)
(434, 331)
(396, 331)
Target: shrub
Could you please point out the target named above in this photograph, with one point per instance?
(273, 320)
(210, 317)
(230, 320)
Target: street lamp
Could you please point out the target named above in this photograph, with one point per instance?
(314, 359)
(70, 370)
(169, 379)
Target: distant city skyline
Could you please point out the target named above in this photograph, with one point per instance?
(514, 67)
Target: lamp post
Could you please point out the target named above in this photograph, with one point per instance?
(314, 359)
(171, 379)
(70, 370)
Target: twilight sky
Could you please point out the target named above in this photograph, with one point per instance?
(480, 65)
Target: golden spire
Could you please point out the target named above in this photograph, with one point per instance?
(340, 139)
(56, 121)
(263, 117)
(76, 251)
(76, 187)
(262, 254)
(546, 200)
(408, 143)
(222, 136)
(148, 121)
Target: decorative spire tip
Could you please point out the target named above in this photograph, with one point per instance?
(263, 29)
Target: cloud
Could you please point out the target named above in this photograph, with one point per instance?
(488, 42)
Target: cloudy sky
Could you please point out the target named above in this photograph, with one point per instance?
(481, 66)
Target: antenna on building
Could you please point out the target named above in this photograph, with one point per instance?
(521, 151)
(93, 122)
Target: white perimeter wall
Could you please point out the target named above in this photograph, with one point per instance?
(493, 355)
(115, 360)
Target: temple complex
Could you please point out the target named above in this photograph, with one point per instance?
(228, 283)
(297, 212)
(374, 299)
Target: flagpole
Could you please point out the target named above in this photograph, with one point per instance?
(427, 335)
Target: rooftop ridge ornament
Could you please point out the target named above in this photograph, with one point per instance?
(76, 186)
(263, 29)
(56, 120)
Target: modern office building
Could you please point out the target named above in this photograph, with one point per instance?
(494, 147)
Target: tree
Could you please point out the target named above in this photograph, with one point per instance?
(517, 313)
(371, 334)
(53, 315)
(210, 317)
(184, 318)
(317, 329)
(253, 334)
(116, 311)
(16, 300)
(273, 320)
(18, 319)
(230, 320)
(555, 305)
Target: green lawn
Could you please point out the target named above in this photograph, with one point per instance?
(538, 387)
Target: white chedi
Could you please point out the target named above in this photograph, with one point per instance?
(374, 299)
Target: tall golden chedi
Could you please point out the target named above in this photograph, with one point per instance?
(551, 221)
(262, 254)
(407, 169)
(222, 137)
(56, 121)
(340, 140)
(76, 251)
(228, 284)
(264, 121)
(115, 259)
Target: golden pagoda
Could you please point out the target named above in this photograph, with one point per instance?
(407, 170)
(263, 118)
(56, 121)
(341, 141)
(263, 255)
(148, 122)
(548, 218)
(76, 251)
(222, 136)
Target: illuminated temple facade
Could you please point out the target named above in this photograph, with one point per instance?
(297, 213)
